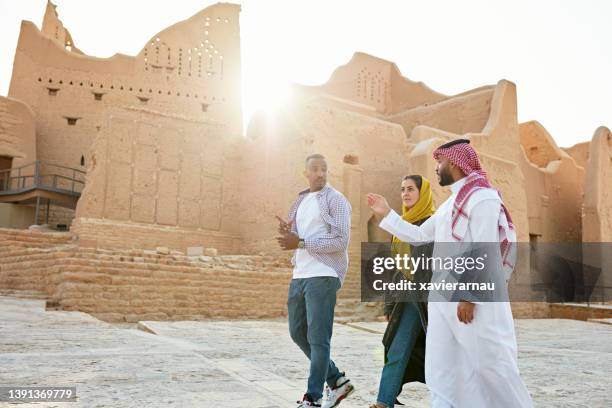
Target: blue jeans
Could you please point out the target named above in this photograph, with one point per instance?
(399, 355)
(311, 304)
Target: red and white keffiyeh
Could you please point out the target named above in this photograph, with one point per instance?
(462, 155)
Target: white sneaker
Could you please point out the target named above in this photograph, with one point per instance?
(334, 396)
(308, 402)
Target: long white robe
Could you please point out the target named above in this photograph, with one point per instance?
(467, 365)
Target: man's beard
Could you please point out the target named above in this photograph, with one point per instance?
(445, 178)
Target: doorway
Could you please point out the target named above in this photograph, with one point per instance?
(6, 163)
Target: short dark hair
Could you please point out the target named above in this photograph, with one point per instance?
(314, 156)
(418, 180)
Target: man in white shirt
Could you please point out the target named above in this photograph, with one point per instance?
(471, 357)
(318, 229)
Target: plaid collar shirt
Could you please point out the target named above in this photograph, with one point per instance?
(331, 248)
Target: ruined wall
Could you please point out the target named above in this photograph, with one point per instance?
(597, 219)
(53, 28)
(554, 196)
(579, 152)
(460, 114)
(554, 191)
(159, 181)
(132, 285)
(371, 85)
(537, 143)
(191, 69)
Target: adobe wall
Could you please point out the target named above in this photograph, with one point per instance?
(537, 143)
(159, 181)
(191, 69)
(597, 219)
(579, 152)
(554, 191)
(459, 114)
(17, 131)
(371, 85)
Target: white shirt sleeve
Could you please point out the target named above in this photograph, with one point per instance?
(410, 233)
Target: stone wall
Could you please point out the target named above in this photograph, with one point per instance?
(132, 285)
(101, 233)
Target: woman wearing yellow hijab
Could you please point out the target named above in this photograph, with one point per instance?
(404, 339)
(417, 206)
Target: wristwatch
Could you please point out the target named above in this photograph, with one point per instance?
(301, 244)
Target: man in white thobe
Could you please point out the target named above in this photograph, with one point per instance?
(471, 352)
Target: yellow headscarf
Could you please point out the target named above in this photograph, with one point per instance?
(423, 208)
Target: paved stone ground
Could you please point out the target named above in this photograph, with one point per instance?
(253, 364)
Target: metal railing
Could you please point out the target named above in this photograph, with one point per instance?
(42, 175)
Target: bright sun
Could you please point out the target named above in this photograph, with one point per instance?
(266, 94)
